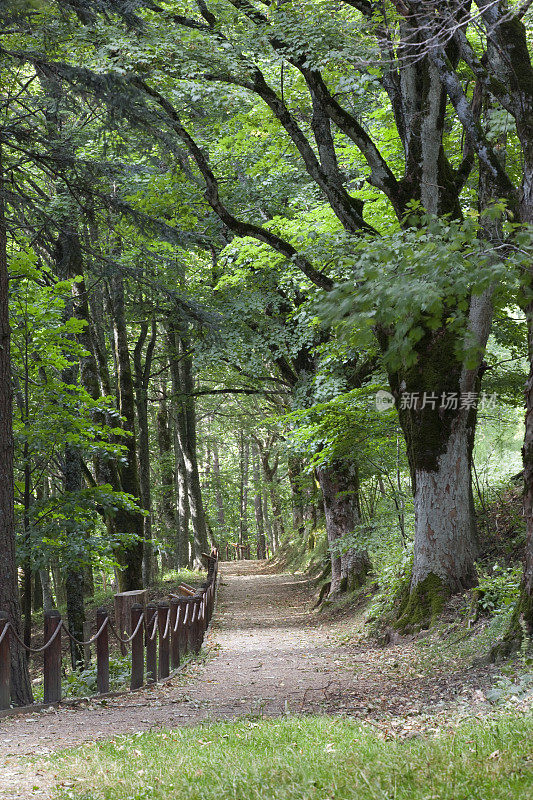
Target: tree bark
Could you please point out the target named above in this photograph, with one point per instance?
(169, 514)
(339, 482)
(48, 600)
(218, 491)
(9, 597)
(94, 378)
(244, 451)
(268, 524)
(59, 583)
(129, 556)
(37, 592)
(142, 380)
(68, 260)
(258, 504)
(269, 471)
(440, 442)
(182, 493)
(295, 480)
(181, 369)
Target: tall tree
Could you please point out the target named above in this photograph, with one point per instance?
(130, 556)
(181, 370)
(9, 596)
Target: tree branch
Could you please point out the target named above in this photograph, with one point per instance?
(212, 196)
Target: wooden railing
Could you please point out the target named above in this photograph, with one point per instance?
(161, 635)
(237, 552)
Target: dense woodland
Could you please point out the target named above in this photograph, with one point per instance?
(265, 279)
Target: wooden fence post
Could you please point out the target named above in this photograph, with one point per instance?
(163, 616)
(174, 634)
(5, 662)
(123, 603)
(196, 629)
(102, 652)
(189, 628)
(52, 657)
(203, 616)
(211, 599)
(184, 624)
(151, 644)
(207, 603)
(137, 648)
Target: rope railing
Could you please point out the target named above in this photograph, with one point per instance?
(161, 635)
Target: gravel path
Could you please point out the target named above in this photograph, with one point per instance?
(267, 654)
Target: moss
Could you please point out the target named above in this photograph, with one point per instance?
(358, 574)
(436, 372)
(422, 607)
(520, 628)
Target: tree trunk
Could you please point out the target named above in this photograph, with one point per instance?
(169, 515)
(182, 493)
(88, 581)
(440, 441)
(48, 600)
(26, 602)
(339, 482)
(59, 583)
(142, 380)
(218, 490)
(269, 471)
(9, 597)
(243, 498)
(74, 586)
(268, 524)
(181, 369)
(295, 479)
(37, 592)
(310, 510)
(68, 259)
(95, 383)
(129, 556)
(258, 505)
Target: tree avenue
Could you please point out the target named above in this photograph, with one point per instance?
(266, 268)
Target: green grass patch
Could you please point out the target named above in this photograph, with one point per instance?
(303, 758)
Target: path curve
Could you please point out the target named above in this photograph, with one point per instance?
(267, 654)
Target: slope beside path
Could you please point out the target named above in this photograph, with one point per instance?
(268, 654)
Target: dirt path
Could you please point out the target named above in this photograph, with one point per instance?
(268, 654)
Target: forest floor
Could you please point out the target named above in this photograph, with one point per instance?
(267, 654)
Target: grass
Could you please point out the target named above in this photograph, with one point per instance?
(303, 758)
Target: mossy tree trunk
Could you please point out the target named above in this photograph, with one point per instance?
(523, 618)
(524, 612)
(437, 400)
(339, 482)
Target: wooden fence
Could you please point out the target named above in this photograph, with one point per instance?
(161, 635)
(237, 552)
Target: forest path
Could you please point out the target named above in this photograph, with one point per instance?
(268, 654)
